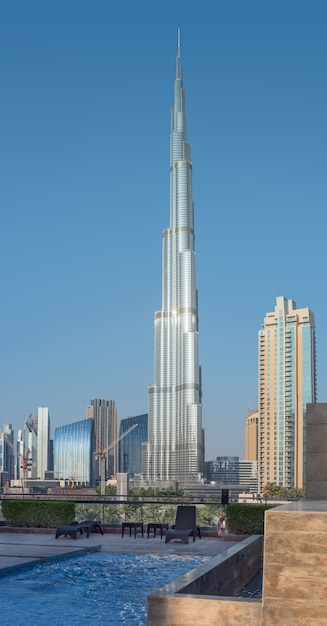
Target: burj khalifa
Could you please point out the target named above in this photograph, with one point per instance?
(174, 451)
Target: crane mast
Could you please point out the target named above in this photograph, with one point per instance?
(100, 455)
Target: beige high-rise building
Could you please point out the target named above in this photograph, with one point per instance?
(287, 382)
(251, 436)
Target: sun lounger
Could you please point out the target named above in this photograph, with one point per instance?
(94, 527)
(72, 529)
(185, 525)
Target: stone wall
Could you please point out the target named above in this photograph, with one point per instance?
(295, 565)
(204, 596)
(316, 456)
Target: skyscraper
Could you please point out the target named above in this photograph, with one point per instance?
(105, 418)
(130, 446)
(74, 446)
(8, 460)
(43, 441)
(251, 436)
(174, 451)
(287, 382)
(30, 442)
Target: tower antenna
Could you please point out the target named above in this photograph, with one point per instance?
(179, 42)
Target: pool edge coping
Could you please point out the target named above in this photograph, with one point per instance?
(15, 569)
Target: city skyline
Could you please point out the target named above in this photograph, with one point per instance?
(84, 125)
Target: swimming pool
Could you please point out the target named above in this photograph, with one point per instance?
(98, 588)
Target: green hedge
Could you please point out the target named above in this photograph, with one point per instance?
(37, 514)
(246, 519)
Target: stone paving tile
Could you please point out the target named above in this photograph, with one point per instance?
(36, 551)
(9, 562)
(28, 547)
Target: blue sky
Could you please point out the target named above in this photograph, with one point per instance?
(86, 92)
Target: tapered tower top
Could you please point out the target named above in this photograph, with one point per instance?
(178, 58)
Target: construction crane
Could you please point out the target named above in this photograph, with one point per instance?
(100, 455)
(73, 477)
(25, 460)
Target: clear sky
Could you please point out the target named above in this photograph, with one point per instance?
(86, 92)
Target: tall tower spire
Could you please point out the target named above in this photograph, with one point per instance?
(174, 452)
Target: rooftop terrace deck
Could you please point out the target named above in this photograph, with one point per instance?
(27, 548)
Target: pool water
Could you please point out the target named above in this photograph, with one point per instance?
(99, 588)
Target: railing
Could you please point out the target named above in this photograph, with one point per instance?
(113, 510)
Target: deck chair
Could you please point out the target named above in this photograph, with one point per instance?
(72, 529)
(94, 527)
(185, 525)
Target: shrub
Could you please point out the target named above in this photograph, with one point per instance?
(37, 514)
(246, 519)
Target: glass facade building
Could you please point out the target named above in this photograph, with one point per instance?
(74, 447)
(8, 459)
(130, 446)
(174, 452)
(248, 475)
(287, 383)
(224, 470)
(229, 471)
